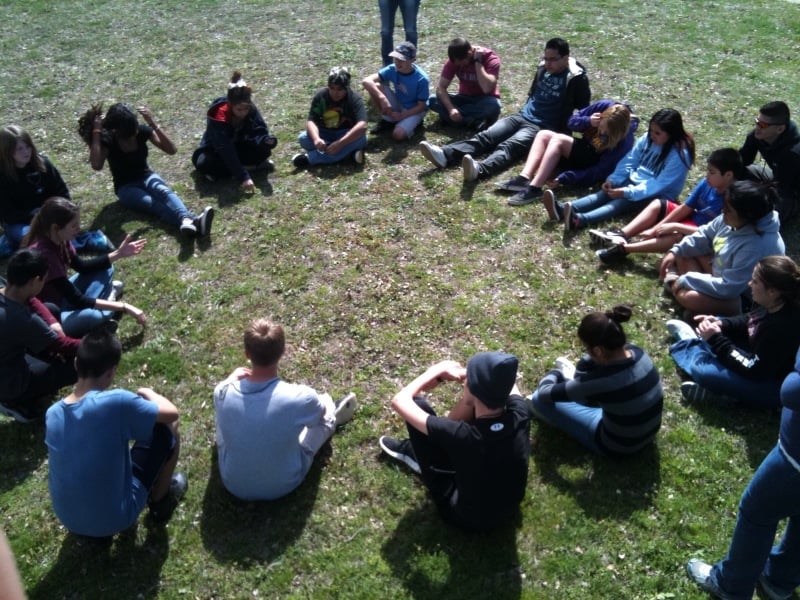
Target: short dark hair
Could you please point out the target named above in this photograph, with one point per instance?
(458, 49)
(726, 160)
(26, 264)
(99, 351)
(777, 110)
(264, 342)
(560, 45)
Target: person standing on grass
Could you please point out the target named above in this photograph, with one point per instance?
(772, 495)
(236, 140)
(409, 9)
(477, 103)
(400, 92)
(559, 87)
(656, 167)
(99, 483)
(707, 272)
(777, 139)
(474, 461)
(336, 127)
(745, 357)
(119, 138)
(612, 401)
(35, 355)
(89, 298)
(599, 136)
(664, 223)
(268, 430)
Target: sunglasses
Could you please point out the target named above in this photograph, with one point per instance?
(764, 124)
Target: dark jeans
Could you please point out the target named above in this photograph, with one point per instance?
(208, 162)
(47, 377)
(508, 141)
(148, 457)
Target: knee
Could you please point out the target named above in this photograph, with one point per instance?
(399, 134)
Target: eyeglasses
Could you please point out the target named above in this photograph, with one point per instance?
(763, 124)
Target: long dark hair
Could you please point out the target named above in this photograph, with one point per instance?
(671, 122)
(604, 329)
(752, 200)
(10, 136)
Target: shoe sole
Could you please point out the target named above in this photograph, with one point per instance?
(469, 169)
(521, 201)
(16, 415)
(403, 458)
(346, 408)
(511, 188)
(549, 201)
(600, 239)
(567, 216)
(206, 222)
(427, 152)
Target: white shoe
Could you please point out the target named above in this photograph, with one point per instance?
(117, 288)
(566, 366)
(433, 153)
(470, 167)
(345, 409)
(680, 330)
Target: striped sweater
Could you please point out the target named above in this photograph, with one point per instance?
(628, 391)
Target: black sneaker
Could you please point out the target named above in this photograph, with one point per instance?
(20, 413)
(515, 184)
(161, 511)
(300, 161)
(381, 126)
(611, 255)
(552, 206)
(400, 450)
(204, 221)
(529, 196)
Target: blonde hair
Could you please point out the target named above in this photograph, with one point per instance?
(618, 121)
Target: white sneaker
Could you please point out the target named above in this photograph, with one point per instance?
(470, 167)
(117, 287)
(358, 157)
(433, 153)
(345, 409)
(566, 366)
(680, 330)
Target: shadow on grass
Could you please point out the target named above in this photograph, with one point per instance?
(117, 568)
(112, 218)
(241, 532)
(434, 560)
(22, 451)
(603, 487)
(227, 191)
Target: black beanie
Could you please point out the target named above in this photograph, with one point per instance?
(490, 377)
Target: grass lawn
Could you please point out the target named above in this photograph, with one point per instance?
(376, 272)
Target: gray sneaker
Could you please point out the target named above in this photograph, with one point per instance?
(117, 287)
(433, 153)
(529, 196)
(345, 409)
(470, 167)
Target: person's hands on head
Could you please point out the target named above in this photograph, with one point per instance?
(594, 120)
(241, 373)
(147, 115)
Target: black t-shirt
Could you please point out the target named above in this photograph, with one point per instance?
(129, 167)
(490, 459)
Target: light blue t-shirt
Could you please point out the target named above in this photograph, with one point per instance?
(258, 436)
(410, 88)
(92, 485)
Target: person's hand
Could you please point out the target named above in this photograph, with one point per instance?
(594, 120)
(147, 393)
(553, 184)
(648, 233)
(667, 264)
(320, 145)
(147, 115)
(136, 313)
(616, 193)
(455, 115)
(127, 248)
(57, 328)
(98, 121)
(385, 106)
(477, 56)
(334, 147)
(240, 373)
(248, 186)
(607, 187)
(708, 327)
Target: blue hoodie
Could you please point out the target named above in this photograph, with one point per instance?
(641, 175)
(735, 252)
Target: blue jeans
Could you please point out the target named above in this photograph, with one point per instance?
(773, 494)
(696, 358)
(315, 157)
(78, 322)
(599, 206)
(508, 140)
(474, 109)
(409, 9)
(576, 420)
(154, 196)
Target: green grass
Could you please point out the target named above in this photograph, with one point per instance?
(376, 272)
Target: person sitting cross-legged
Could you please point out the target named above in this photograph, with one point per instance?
(269, 430)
